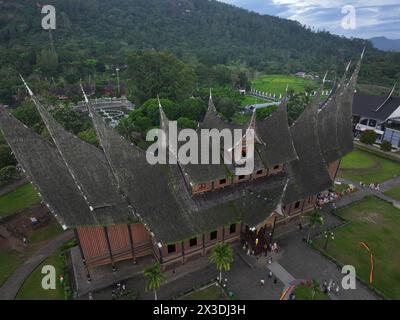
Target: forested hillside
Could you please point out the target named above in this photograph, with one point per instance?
(92, 34)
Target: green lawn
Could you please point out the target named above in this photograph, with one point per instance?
(368, 168)
(251, 100)
(21, 198)
(45, 233)
(32, 288)
(9, 261)
(393, 193)
(377, 223)
(304, 292)
(211, 293)
(277, 84)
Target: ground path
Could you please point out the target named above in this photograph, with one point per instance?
(11, 187)
(11, 287)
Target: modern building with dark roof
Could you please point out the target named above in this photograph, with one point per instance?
(122, 207)
(380, 114)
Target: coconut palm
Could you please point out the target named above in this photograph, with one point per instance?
(222, 256)
(154, 277)
(315, 219)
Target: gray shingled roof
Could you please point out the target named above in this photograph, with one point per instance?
(89, 166)
(308, 175)
(344, 119)
(274, 132)
(161, 199)
(328, 124)
(46, 169)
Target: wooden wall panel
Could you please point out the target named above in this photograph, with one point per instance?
(93, 242)
(119, 238)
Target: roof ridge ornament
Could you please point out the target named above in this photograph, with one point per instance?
(26, 86)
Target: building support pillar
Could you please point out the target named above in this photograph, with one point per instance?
(223, 234)
(131, 242)
(204, 244)
(88, 277)
(183, 252)
(114, 269)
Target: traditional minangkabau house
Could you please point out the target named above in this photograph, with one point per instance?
(123, 208)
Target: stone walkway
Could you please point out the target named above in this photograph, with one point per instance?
(366, 191)
(11, 287)
(244, 280)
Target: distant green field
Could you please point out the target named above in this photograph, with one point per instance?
(276, 84)
(251, 100)
(21, 198)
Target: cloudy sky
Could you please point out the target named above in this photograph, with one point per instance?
(372, 17)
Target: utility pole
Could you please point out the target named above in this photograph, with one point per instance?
(119, 88)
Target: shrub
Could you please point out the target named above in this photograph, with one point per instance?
(7, 174)
(386, 146)
(368, 137)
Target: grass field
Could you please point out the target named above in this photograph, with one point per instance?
(393, 193)
(9, 261)
(45, 233)
(377, 223)
(32, 288)
(210, 293)
(21, 198)
(251, 100)
(368, 168)
(276, 84)
(304, 292)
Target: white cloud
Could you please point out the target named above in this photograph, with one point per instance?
(372, 17)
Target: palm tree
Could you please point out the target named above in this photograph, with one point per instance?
(154, 277)
(315, 220)
(222, 256)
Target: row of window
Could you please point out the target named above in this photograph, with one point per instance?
(204, 186)
(193, 242)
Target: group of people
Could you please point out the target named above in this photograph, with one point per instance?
(325, 198)
(270, 275)
(372, 186)
(118, 291)
(330, 287)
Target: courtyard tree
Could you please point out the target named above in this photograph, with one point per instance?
(154, 277)
(222, 256)
(316, 219)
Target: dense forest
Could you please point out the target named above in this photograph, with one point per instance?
(93, 36)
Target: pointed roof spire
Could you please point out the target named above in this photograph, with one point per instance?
(26, 86)
(84, 94)
(324, 80)
(159, 102)
(362, 53)
(348, 66)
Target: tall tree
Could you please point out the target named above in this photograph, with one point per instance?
(222, 257)
(163, 74)
(154, 277)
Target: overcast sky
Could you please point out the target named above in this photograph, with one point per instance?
(373, 17)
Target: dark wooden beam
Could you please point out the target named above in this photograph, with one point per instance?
(109, 248)
(131, 242)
